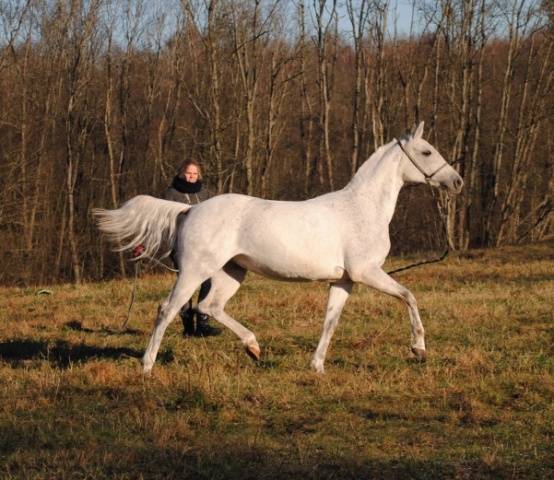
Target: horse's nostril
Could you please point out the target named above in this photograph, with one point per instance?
(458, 183)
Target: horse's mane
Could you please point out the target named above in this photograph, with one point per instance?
(373, 161)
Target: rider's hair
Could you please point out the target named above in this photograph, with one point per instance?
(189, 162)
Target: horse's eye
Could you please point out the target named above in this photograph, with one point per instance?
(427, 153)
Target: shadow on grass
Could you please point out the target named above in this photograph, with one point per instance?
(62, 354)
(219, 461)
(216, 454)
(78, 327)
(255, 463)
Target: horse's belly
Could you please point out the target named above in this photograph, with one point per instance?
(297, 271)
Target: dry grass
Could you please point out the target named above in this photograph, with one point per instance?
(74, 404)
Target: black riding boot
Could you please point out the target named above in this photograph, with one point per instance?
(203, 328)
(187, 316)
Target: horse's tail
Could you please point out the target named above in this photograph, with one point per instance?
(142, 220)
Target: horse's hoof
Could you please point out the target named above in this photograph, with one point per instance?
(253, 352)
(420, 354)
(317, 367)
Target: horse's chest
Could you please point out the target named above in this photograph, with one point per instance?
(367, 246)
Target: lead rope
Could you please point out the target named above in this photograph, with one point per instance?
(444, 254)
(135, 287)
(133, 294)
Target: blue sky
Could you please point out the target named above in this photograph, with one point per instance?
(400, 15)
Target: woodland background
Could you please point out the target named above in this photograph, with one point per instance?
(101, 100)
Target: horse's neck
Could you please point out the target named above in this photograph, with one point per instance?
(377, 184)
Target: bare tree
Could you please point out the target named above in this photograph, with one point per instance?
(516, 25)
(247, 36)
(279, 85)
(307, 124)
(210, 12)
(537, 85)
(376, 80)
(325, 19)
(76, 29)
(359, 21)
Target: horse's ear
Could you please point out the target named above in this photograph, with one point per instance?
(419, 131)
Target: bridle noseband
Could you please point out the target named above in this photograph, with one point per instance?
(427, 176)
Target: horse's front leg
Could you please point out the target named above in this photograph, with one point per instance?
(338, 294)
(380, 280)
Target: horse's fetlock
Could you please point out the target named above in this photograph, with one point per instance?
(250, 339)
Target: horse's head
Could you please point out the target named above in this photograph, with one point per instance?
(421, 163)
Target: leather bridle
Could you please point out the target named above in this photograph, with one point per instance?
(427, 176)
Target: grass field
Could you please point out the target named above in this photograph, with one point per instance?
(73, 403)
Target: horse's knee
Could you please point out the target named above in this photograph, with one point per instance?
(409, 298)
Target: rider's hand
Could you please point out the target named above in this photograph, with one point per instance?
(138, 250)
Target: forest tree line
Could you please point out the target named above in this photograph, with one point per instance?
(103, 99)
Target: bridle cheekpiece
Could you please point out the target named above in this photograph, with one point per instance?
(427, 176)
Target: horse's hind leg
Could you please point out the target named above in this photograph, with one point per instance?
(225, 284)
(338, 294)
(181, 292)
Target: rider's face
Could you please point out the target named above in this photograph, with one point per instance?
(191, 174)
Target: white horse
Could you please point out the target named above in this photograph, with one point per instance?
(341, 238)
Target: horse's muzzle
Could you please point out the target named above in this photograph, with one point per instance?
(458, 185)
(454, 184)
